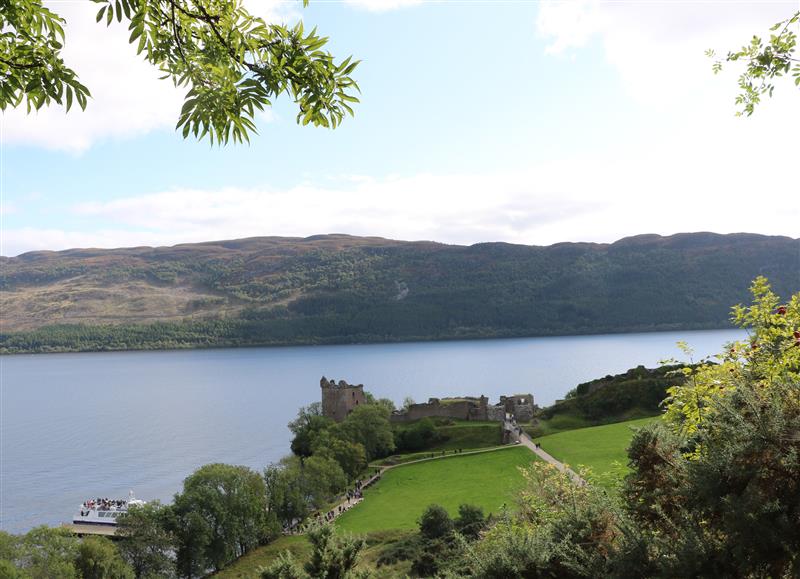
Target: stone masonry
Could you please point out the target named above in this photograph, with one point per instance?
(520, 406)
(339, 400)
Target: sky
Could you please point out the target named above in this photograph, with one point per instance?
(531, 122)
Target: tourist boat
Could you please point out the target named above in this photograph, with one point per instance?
(104, 511)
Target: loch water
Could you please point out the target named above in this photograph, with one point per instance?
(76, 426)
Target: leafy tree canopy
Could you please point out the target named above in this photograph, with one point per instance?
(99, 558)
(145, 540)
(770, 356)
(220, 515)
(232, 63)
(764, 62)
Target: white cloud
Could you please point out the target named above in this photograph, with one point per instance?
(658, 47)
(128, 98)
(568, 25)
(672, 186)
(382, 5)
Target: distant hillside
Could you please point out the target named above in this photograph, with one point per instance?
(339, 288)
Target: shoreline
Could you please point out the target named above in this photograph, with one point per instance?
(380, 341)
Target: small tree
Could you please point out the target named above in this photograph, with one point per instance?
(332, 557)
(323, 478)
(435, 523)
(99, 558)
(145, 540)
(369, 426)
(220, 515)
(351, 456)
(470, 521)
(286, 493)
(306, 429)
(47, 552)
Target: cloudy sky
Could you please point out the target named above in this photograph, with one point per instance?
(519, 121)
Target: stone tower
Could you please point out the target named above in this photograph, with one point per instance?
(339, 400)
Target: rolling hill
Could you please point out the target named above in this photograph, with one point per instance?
(340, 289)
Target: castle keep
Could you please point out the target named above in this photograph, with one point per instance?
(339, 400)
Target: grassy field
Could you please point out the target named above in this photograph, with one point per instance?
(460, 434)
(396, 502)
(601, 448)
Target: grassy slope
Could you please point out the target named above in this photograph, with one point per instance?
(462, 434)
(247, 566)
(486, 479)
(465, 434)
(601, 448)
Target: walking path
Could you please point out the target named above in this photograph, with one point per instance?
(523, 439)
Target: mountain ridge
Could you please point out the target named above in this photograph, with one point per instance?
(338, 288)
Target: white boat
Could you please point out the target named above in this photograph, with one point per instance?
(104, 511)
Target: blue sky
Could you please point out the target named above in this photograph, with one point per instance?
(528, 122)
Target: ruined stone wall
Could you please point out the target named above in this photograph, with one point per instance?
(466, 409)
(496, 412)
(520, 405)
(340, 399)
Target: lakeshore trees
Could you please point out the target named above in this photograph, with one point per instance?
(220, 515)
(43, 553)
(146, 540)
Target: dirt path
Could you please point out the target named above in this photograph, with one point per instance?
(525, 440)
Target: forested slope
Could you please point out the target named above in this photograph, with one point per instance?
(339, 288)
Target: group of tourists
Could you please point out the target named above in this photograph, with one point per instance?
(104, 504)
(351, 498)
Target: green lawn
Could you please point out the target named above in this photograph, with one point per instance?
(487, 479)
(601, 448)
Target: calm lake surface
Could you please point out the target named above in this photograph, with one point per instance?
(76, 426)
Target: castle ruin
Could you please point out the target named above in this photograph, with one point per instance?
(518, 406)
(339, 400)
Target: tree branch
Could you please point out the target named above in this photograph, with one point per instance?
(19, 66)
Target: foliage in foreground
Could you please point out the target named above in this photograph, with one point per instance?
(333, 556)
(713, 490)
(232, 63)
(764, 62)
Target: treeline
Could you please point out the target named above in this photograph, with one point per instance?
(341, 289)
(637, 392)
